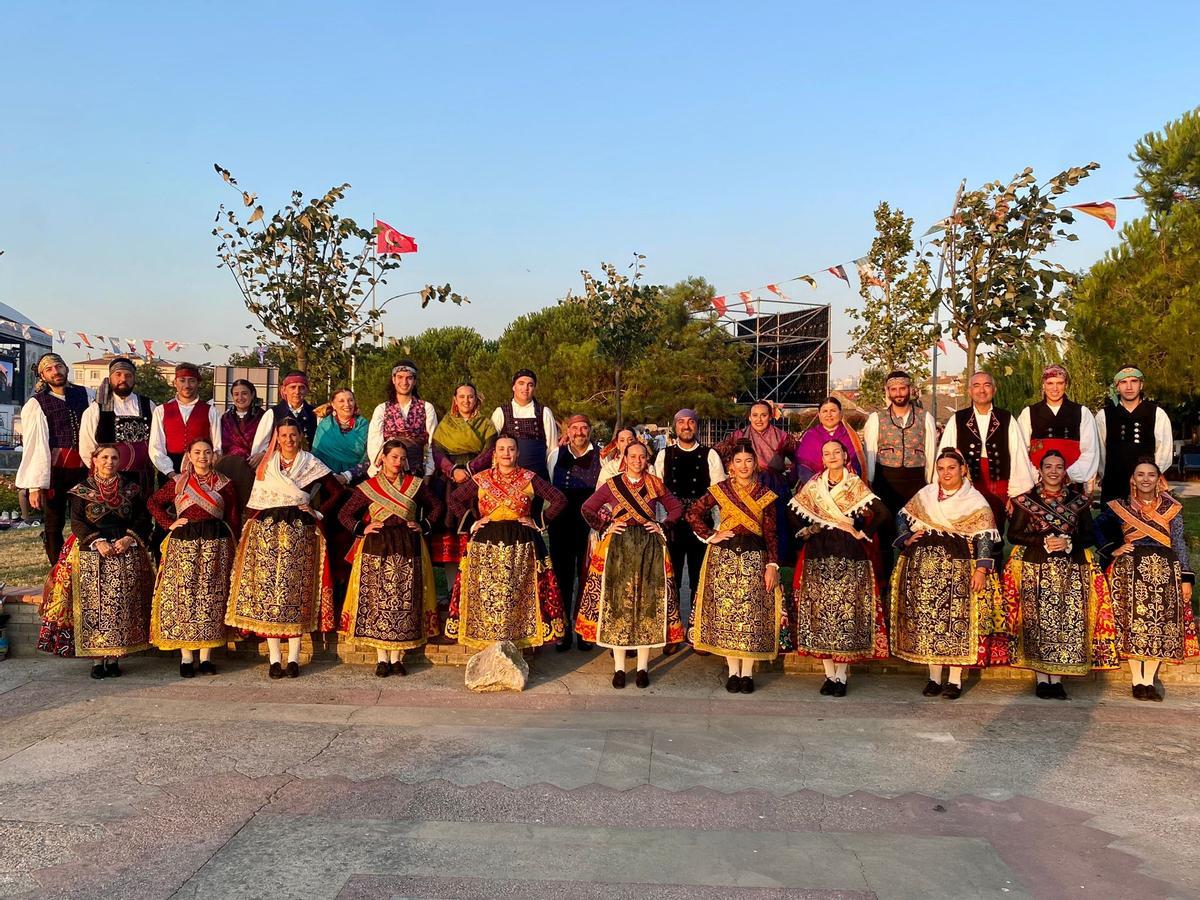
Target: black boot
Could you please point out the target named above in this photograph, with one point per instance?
(618, 679)
(382, 670)
(207, 668)
(734, 684)
(111, 669)
(643, 678)
(398, 668)
(98, 670)
(187, 670)
(276, 671)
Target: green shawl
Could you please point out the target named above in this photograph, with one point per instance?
(458, 437)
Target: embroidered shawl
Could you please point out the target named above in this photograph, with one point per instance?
(456, 436)
(99, 505)
(1053, 515)
(635, 501)
(767, 444)
(505, 496)
(191, 490)
(964, 513)
(1151, 521)
(741, 506)
(392, 499)
(279, 488)
(338, 449)
(833, 505)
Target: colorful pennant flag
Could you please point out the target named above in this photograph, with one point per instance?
(115, 343)
(839, 272)
(745, 295)
(149, 345)
(83, 337)
(720, 305)
(774, 289)
(866, 273)
(389, 240)
(62, 337)
(1106, 212)
(812, 282)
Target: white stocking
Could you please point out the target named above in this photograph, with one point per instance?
(187, 655)
(206, 654)
(1042, 678)
(395, 655)
(273, 649)
(293, 649)
(935, 674)
(747, 668)
(1135, 669)
(643, 659)
(1151, 669)
(956, 676)
(843, 672)
(735, 665)
(381, 656)
(1055, 679)
(830, 668)
(618, 659)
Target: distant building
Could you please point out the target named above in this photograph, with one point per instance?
(21, 343)
(947, 386)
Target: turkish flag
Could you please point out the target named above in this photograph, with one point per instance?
(389, 240)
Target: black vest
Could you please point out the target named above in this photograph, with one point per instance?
(576, 476)
(1128, 435)
(970, 442)
(1045, 425)
(111, 428)
(685, 472)
(306, 417)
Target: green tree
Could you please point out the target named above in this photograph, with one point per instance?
(624, 316)
(308, 273)
(896, 330)
(1000, 287)
(150, 383)
(1169, 163)
(1018, 370)
(444, 357)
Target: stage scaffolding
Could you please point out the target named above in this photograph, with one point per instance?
(790, 355)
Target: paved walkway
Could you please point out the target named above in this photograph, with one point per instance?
(342, 785)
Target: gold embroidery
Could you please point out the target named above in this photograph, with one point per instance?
(499, 595)
(391, 603)
(835, 608)
(935, 617)
(1148, 604)
(278, 585)
(111, 601)
(188, 609)
(734, 614)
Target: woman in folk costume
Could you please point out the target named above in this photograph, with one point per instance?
(506, 590)
(737, 609)
(281, 586)
(775, 450)
(612, 456)
(629, 599)
(341, 443)
(199, 511)
(1056, 599)
(829, 426)
(839, 615)
(96, 602)
(945, 595)
(461, 436)
(1150, 578)
(390, 603)
(238, 424)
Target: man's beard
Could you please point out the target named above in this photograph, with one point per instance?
(123, 391)
(900, 404)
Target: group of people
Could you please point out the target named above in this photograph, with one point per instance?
(189, 527)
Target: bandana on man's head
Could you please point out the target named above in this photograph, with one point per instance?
(124, 364)
(405, 365)
(52, 358)
(187, 370)
(897, 377)
(1056, 371)
(686, 414)
(295, 378)
(1128, 372)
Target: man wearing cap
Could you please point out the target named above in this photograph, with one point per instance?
(900, 444)
(404, 417)
(293, 404)
(529, 423)
(991, 442)
(574, 468)
(180, 420)
(122, 418)
(50, 463)
(1130, 426)
(688, 469)
(1058, 423)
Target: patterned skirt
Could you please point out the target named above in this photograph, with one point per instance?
(447, 546)
(837, 612)
(505, 590)
(192, 591)
(96, 606)
(281, 585)
(391, 603)
(629, 596)
(1059, 614)
(936, 617)
(1153, 621)
(732, 613)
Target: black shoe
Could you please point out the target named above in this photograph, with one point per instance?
(670, 649)
(1152, 694)
(187, 670)
(747, 684)
(734, 684)
(1058, 692)
(827, 688)
(398, 668)
(382, 670)
(839, 689)
(1043, 690)
(581, 644)
(111, 669)
(293, 670)
(563, 646)
(1139, 692)
(931, 689)
(952, 691)
(618, 679)
(98, 670)
(207, 668)
(276, 671)
(643, 678)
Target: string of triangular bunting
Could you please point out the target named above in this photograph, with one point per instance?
(140, 346)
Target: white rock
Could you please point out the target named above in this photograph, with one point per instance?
(500, 667)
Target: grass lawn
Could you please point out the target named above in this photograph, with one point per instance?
(1191, 526)
(22, 558)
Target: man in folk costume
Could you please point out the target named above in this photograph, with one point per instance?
(51, 464)
(991, 442)
(293, 404)
(1057, 422)
(405, 417)
(531, 424)
(574, 470)
(900, 445)
(179, 421)
(121, 417)
(688, 469)
(1129, 427)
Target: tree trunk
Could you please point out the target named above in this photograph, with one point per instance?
(617, 427)
(972, 351)
(301, 356)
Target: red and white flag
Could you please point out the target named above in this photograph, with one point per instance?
(746, 301)
(774, 289)
(149, 345)
(83, 337)
(720, 305)
(389, 240)
(840, 272)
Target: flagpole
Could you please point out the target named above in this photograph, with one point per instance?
(938, 291)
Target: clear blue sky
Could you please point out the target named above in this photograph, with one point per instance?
(522, 142)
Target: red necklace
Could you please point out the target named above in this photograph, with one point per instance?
(109, 489)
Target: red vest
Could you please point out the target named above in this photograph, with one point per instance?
(179, 433)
